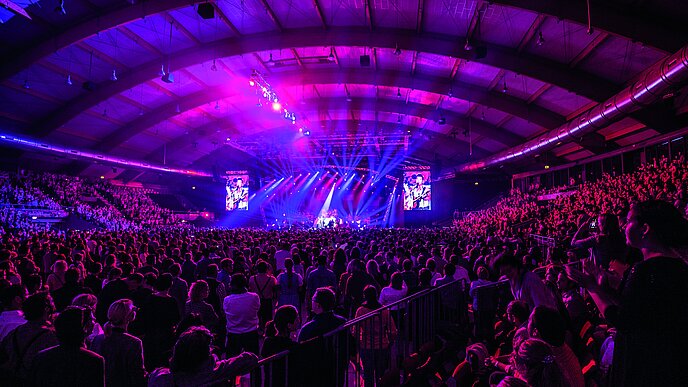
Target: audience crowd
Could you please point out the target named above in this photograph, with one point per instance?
(170, 306)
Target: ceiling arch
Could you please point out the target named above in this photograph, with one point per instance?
(229, 125)
(664, 36)
(183, 104)
(422, 154)
(615, 22)
(460, 90)
(545, 70)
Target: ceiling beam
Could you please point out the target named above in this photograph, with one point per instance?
(369, 14)
(394, 106)
(601, 37)
(668, 37)
(420, 15)
(557, 74)
(55, 41)
(321, 14)
(423, 154)
(435, 85)
(14, 8)
(272, 15)
(542, 69)
(528, 36)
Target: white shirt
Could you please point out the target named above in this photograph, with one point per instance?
(242, 312)
(462, 274)
(9, 320)
(389, 295)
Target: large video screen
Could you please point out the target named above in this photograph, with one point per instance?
(417, 190)
(237, 192)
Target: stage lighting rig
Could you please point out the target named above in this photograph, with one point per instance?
(266, 92)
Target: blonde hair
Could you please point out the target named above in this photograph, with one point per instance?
(85, 300)
(197, 289)
(117, 314)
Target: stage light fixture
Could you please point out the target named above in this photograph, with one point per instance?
(162, 71)
(168, 78)
(69, 80)
(540, 39)
(308, 133)
(271, 62)
(60, 8)
(442, 121)
(467, 46)
(276, 106)
(547, 166)
(251, 82)
(217, 105)
(113, 77)
(505, 89)
(397, 50)
(398, 92)
(213, 67)
(331, 56)
(206, 11)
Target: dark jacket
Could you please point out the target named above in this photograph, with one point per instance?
(123, 355)
(68, 367)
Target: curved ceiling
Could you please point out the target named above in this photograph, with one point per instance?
(448, 80)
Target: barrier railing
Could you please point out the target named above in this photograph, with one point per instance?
(362, 351)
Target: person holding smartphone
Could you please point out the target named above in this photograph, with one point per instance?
(603, 237)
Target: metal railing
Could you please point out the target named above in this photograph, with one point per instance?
(373, 345)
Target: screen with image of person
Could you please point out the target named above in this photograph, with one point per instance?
(237, 193)
(417, 191)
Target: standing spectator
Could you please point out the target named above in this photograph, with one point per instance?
(394, 292)
(68, 364)
(89, 302)
(375, 337)
(123, 353)
(289, 286)
(115, 289)
(483, 314)
(605, 245)
(197, 295)
(525, 285)
(650, 317)
(278, 339)
(225, 274)
(192, 363)
(320, 277)
(188, 269)
(410, 277)
(241, 309)
(21, 345)
(158, 318)
(64, 295)
(263, 284)
(93, 280)
(324, 319)
(57, 278)
(12, 299)
(179, 289)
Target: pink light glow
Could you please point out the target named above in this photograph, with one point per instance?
(276, 106)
